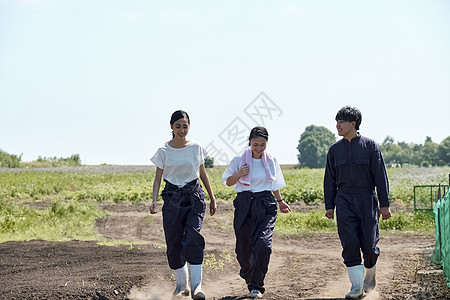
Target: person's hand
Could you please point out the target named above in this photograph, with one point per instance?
(212, 207)
(385, 212)
(244, 170)
(330, 214)
(153, 208)
(284, 207)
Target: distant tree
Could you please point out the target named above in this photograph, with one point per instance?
(443, 151)
(429, 152)
(417, 154)
(9, 160)
(209, 162)
(407, 153)
(313, 146)
(392, 153)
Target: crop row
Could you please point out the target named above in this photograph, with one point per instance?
(136, 186)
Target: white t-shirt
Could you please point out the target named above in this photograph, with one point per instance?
(180, 165)
(259, 181)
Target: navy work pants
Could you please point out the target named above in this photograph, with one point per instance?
(357, 221)
(183, 212)
(254, 223)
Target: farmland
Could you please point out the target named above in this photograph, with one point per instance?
(87, 229)
(134, 184)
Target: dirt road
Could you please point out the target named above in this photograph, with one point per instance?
(306, 267)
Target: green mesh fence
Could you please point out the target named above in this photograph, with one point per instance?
(441, 254)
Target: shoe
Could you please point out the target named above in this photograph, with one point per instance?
(255, 294)
(369, 281)
(356, 275)
(198, 296)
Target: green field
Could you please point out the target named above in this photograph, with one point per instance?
(72, 196)
(118, 184)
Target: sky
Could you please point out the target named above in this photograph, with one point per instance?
(102, 78)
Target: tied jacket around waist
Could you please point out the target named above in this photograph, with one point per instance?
(190, 195)
(257, 204)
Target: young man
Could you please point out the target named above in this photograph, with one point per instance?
(354, 168)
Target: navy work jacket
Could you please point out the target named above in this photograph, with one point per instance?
(354, 167)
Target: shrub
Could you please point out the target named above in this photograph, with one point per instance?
(209, 162)
(9, 160)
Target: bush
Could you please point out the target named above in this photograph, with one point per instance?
(9, 160)
(52, 162)
(209, 162)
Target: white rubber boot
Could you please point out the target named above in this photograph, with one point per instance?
(369, 280)
(195, 272)
(356, 275)
(181, 276)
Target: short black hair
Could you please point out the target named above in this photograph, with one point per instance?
(350, 114)
(258, 131)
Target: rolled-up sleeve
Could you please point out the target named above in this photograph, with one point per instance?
(232, 168)
(158, 158)
(279, 182)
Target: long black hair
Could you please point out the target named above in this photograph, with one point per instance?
(179, 114)
(258, 131)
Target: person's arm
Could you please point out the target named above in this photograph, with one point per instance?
(243, 171)
(156, 186)
(381, 182)
(283, 206)
(205, 179)
(329, 186)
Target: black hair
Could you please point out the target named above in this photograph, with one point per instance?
(258, 131)
(179, 114)
(350, 114)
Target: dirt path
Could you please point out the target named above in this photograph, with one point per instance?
(306, 267)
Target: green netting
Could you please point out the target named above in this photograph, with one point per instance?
(441, 254)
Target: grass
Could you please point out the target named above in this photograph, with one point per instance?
(73, 197)
(315, 221)
(136, 186)
(63, 221)
(297, 223)
(211, 262)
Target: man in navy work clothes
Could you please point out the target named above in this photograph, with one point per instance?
(354, 168)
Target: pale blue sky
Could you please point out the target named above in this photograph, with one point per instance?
(101, 78)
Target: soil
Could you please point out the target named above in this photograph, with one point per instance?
(303, 267)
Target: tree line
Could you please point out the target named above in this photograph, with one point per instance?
(315, 141)
(15, 161)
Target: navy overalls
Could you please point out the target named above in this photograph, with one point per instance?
(183, 212)
(352, 172)
(255, 215)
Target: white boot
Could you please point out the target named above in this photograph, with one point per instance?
(181, 276)
(369, 281)
(356, 275)
(195, 272)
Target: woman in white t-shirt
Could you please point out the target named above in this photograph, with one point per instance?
(257, 179)
(180, 162)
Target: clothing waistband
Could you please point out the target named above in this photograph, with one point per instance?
(255, 194)
(175, 187)
(355, 190)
